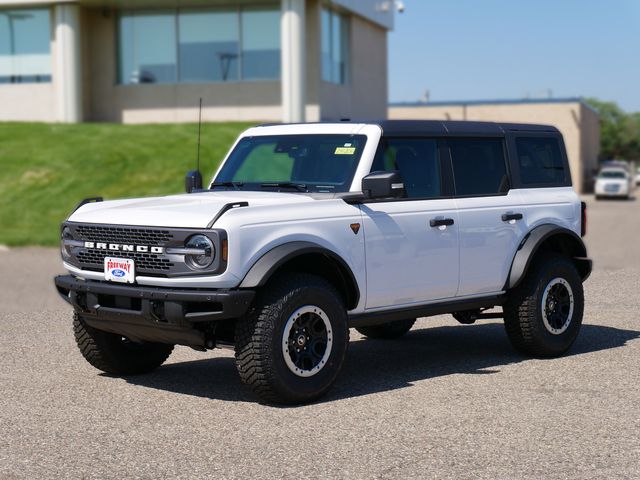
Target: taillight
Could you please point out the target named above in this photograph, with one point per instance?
(583, 225)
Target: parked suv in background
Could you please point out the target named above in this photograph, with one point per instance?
(614, 182)
(309, 230)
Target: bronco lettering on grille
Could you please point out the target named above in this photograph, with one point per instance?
(119, 247)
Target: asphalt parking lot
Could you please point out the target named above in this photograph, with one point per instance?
(446, 401)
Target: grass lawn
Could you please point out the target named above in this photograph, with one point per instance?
(46, 169)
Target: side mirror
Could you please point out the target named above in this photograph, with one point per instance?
(193, 181)
(383, 185)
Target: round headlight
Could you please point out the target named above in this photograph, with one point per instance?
(65, 249)
(203, 260)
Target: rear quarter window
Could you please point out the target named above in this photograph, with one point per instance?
(540, 161)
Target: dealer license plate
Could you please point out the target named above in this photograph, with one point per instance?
(121, 270)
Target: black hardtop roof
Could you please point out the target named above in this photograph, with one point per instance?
(457, 128)
(445, 127)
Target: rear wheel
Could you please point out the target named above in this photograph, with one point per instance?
(544, 313)
(387, 331)
(115, 354)
(292, 344)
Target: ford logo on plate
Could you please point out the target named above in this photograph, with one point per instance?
(118, 273)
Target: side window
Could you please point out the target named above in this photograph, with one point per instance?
(479, 166)
(417, 161)
(540, 161)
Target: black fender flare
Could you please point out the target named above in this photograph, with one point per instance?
(264, 268)
(573, 246)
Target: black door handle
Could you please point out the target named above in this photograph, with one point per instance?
(441, 222)
(507, 217)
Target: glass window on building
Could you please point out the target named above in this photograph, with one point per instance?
(260, 44)
(148, 50)
(209, 46)
(335, 47)
(25, 46)
(200, 45)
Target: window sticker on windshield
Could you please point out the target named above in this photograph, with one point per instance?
(345, 151)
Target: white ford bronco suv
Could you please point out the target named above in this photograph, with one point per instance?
(308, 230)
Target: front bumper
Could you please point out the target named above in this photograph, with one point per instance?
(166, 315)
(601, 191)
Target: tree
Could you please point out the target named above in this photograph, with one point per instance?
(619, 131)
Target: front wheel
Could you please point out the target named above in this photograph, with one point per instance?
(115, 354)
(543, 315)
(291, 346)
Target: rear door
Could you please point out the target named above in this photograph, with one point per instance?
(540, 172)
(490, 213)
(411, 243)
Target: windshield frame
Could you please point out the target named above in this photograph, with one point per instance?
(372, 130)
(612, 175)
(294, 186)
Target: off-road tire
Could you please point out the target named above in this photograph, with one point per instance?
(260, 358)
(523, 311)
(388, 331)
(115, 355)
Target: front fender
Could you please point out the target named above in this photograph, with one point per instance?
(264, 268)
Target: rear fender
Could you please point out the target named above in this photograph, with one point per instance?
(551, 238)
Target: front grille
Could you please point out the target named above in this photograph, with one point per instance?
(147, 263)
(94, 260)
(136, 236)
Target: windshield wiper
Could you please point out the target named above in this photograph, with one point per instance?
(301, 187)
(235, 185)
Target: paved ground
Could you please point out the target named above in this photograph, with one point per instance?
(447, 401)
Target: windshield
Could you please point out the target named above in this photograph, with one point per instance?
(611, 174)
(308, 163)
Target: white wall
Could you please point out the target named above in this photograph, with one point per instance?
(27, 102)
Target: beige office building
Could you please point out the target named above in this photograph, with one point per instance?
(578, 122)
(151, 60)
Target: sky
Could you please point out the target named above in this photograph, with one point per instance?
(508, 49)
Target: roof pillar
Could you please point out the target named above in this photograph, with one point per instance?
(67, 73)
(293, 61)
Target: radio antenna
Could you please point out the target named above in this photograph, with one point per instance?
(199, 128)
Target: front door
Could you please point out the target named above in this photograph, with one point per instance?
(411, 243)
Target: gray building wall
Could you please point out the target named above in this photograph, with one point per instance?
(360, 98)
(145, 103)
(104, 100)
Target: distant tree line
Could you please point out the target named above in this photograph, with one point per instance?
(619, 131)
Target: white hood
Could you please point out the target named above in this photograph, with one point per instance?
(621, 182)
(194, 210)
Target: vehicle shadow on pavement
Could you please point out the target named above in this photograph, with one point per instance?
(377, 365)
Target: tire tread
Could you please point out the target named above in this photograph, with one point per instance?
(97, 348)
(522, 317)
(254, 357)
